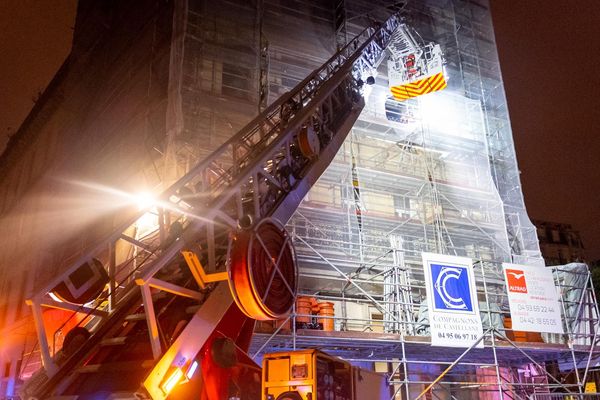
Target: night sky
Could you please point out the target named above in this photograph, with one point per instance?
(549, 53)
(550, 59)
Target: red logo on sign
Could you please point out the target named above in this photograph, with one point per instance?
(516, 281)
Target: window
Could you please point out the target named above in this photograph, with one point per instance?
(541, 233)
(236, 81)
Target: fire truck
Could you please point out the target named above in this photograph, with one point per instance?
(164, 306)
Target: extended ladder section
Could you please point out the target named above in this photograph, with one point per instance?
(164, 304)
(415, 68)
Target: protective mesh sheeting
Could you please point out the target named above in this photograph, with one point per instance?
(425, 180)
(572, 279)
(214, 78)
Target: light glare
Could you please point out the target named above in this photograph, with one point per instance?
(172, 381)
(191, 370)
(144, 200)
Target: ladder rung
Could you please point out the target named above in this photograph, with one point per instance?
(115, 367)
(114, 341)
(136, 317)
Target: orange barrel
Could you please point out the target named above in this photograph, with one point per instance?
(304, 307)
(326, 310)
(515, 336)
(315, 305)
(534, 337)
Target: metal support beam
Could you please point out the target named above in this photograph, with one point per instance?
(151, 321)
(171, 288)
(201, 277)
(61, 305)
(38, 319)
(464, 353)
(112, 270)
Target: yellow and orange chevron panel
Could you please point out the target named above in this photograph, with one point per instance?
(423, 86)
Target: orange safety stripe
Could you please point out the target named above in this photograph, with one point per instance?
(423, 86)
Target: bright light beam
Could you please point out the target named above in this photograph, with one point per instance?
(143, 200)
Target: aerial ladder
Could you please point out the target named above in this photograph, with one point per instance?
(171, 295)
(415, 68)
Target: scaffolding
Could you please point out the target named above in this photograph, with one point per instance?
(391, 334)
(439, 177)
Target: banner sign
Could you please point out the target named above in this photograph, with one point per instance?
(533, 299)
(452, 301)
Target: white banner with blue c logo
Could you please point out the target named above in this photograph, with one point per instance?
(452, 300)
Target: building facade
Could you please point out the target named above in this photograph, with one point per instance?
(152, 88)
(559, 243)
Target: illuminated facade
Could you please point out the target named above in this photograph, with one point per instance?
(433, 173)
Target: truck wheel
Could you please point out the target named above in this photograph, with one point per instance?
(289, 396)
(74, 339)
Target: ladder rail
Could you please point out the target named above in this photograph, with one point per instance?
(272, 116)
